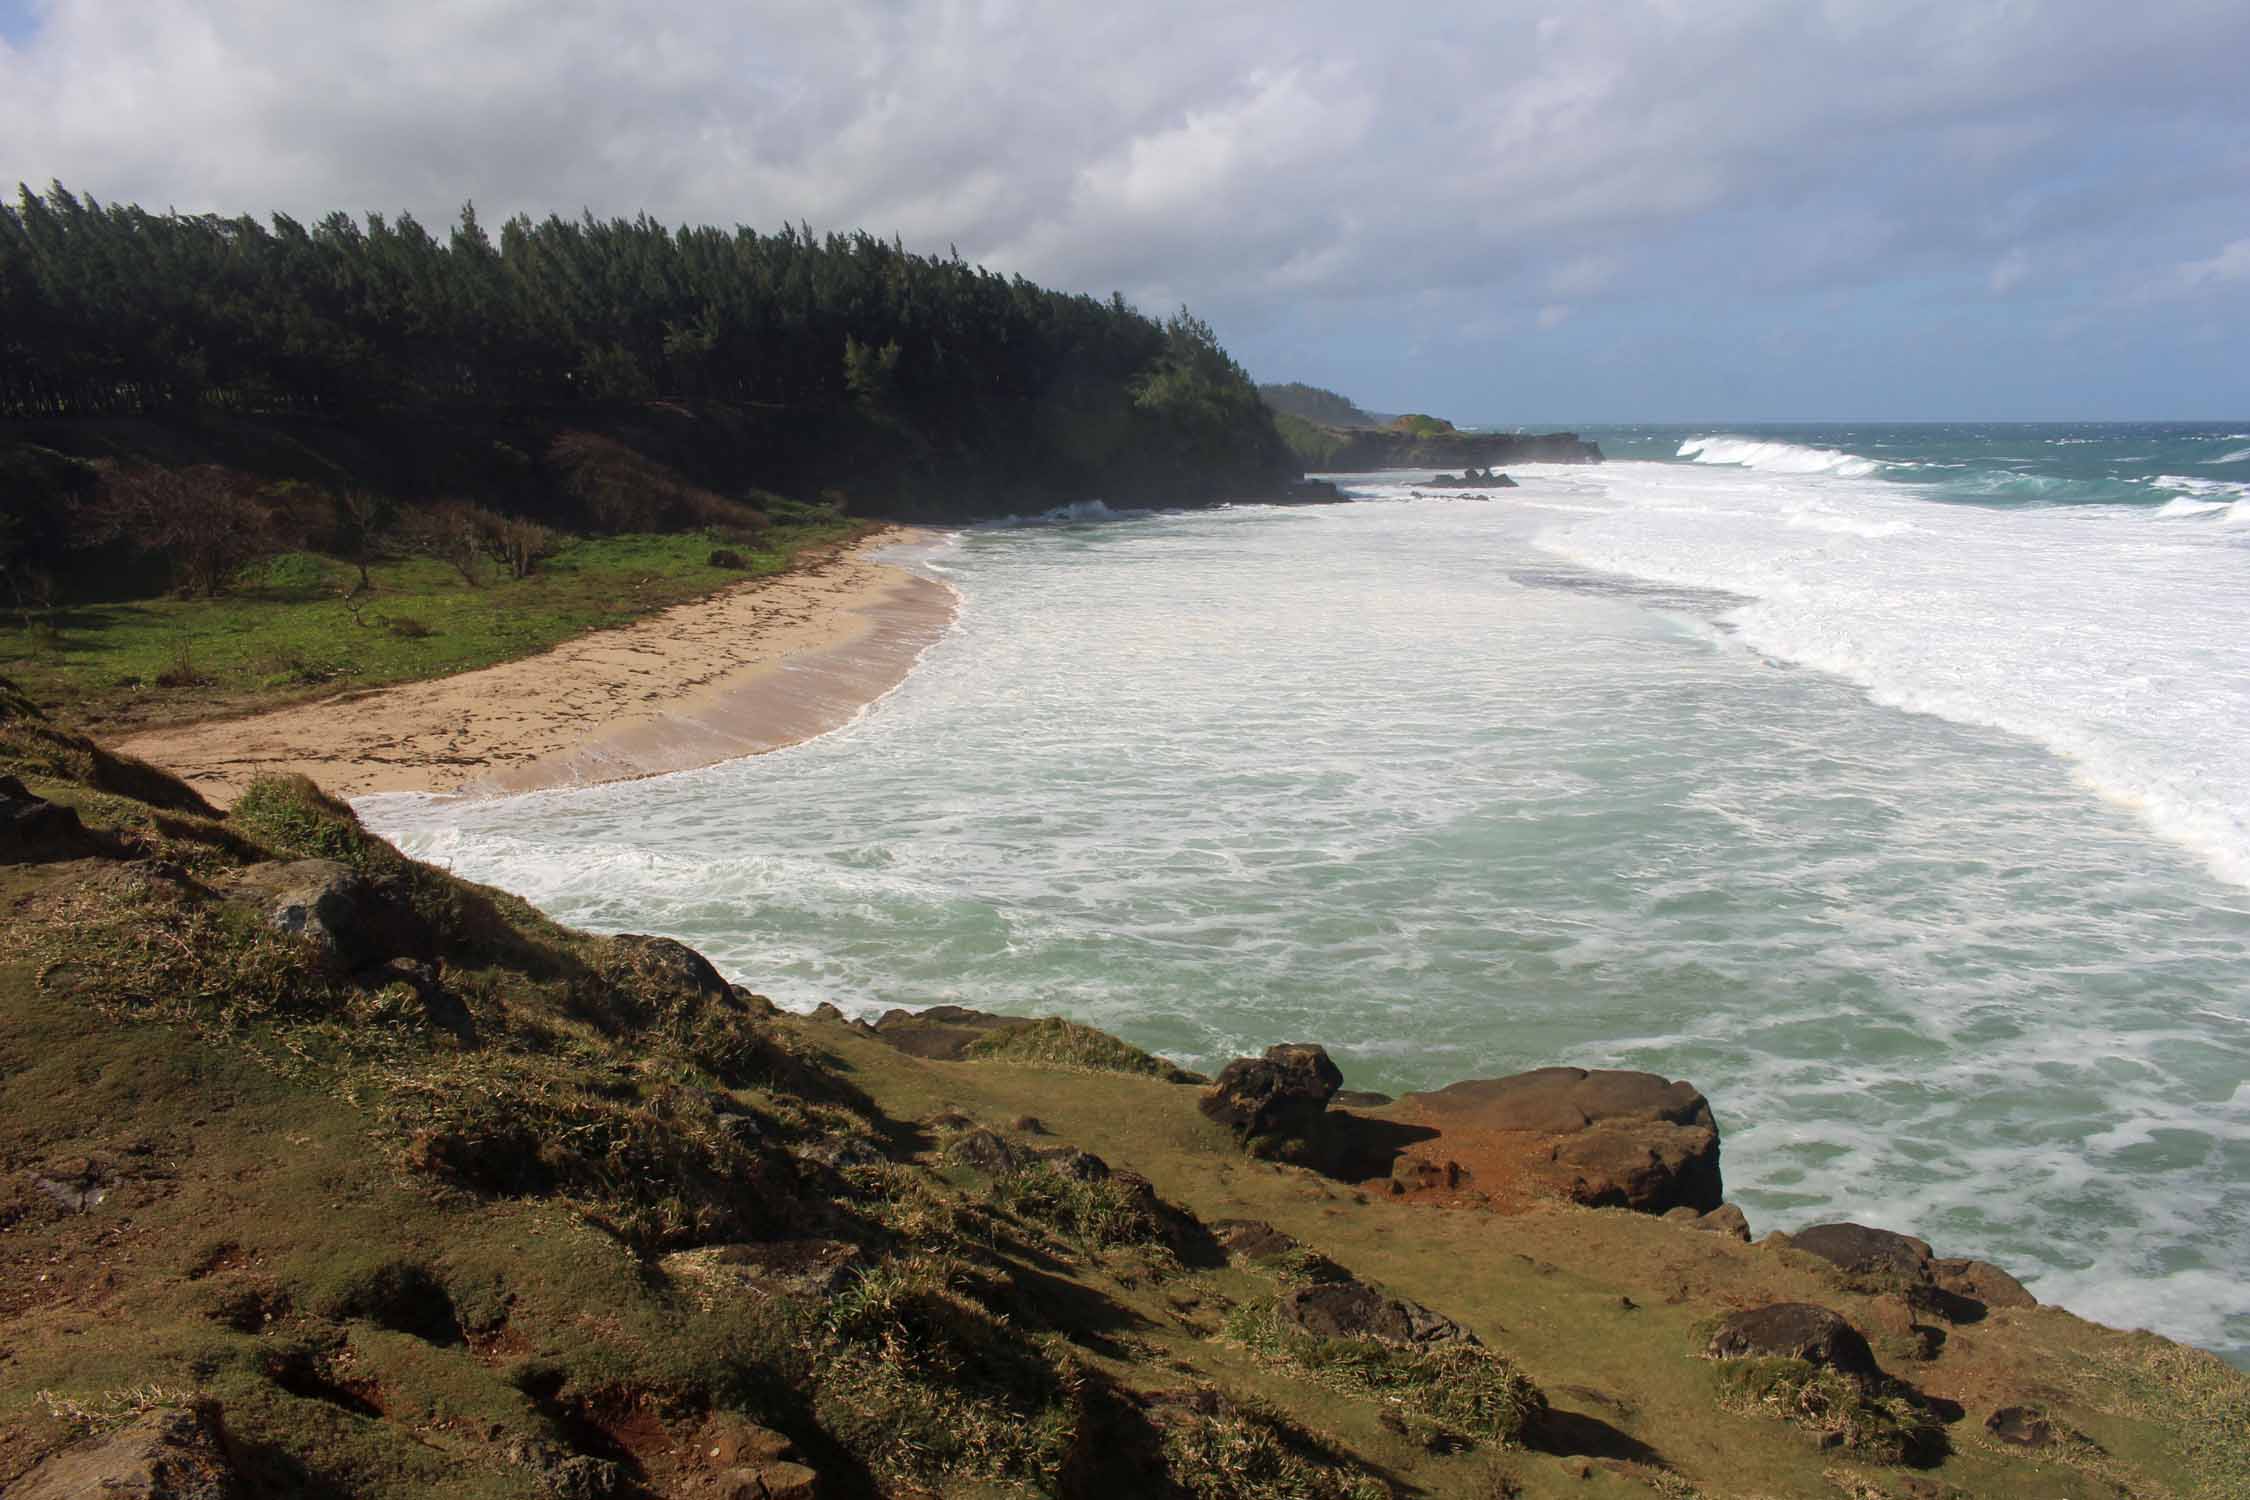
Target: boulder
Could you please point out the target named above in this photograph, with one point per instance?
(1794, 1330)
(728, 1441)
(1251, 1239)
(1355, 1310)
(1726, 1219)
(2028, 1427)
(1980, 1281)
(1872, 1254)
(671, 966)
(1274, 1103)
(354, 925)
(171, 1453)
(985, 1152)
(769, 1481)
(1605, 1139)
(33, 829)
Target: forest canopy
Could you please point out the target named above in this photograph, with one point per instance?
(922, 384)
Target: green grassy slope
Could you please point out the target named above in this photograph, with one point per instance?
(545, 1199)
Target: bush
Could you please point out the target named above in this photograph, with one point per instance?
(727, 557)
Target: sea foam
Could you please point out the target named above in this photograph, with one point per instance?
(1778, 458)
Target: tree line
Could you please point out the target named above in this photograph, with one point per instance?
(930, 384)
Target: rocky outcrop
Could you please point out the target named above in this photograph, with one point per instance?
(1474, 479)
(943, 1033)
(1880, 1260)
(1794, 1330)
(331, 905)
(171, 1453)
(1354, 1310)
(1605, 1139)
(33, 829)
(1274, 1103)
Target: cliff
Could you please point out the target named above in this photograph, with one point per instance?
(330, 1175)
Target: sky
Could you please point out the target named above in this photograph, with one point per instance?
(1585, 210)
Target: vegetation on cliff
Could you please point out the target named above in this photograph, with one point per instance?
(590, 375)
(410, 1191)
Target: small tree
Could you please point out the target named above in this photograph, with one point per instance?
(362, 518)
(205, 519)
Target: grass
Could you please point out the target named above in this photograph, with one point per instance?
(292, 629)
(1244, 1452)
(1057, 1043)
(1460, 1389)
(1882, 1425)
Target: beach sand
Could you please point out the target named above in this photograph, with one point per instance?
(767, 663)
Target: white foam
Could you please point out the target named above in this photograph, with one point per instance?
(2238, 456)
(2122, 647)
(1778, 458)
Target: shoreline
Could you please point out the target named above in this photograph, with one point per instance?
(761, 665)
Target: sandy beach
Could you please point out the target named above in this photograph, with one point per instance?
(767, 663)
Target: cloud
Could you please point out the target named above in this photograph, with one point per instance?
(2229, 265)
(1323, 161)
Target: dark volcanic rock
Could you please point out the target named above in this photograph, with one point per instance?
(671, 965)
(2027, 1427)
(1355, 1310)
(32, 828)
(172, 1453)
(1794, 1330)
(1861, 1251)
(1274, 1103)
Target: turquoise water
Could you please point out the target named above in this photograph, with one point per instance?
(1907, 821)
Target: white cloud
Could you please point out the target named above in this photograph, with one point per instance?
(2229, 265)
(1256, 157)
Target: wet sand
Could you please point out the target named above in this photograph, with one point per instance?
(767, 663)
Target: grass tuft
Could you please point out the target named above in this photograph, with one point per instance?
(1056, 1043)
(1883, 1425)
(1463, 1389)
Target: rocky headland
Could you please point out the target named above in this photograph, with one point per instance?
(328, 1174)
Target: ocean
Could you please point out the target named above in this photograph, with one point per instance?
(1887, 782)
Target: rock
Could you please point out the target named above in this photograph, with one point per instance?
(1872, 1254)
(77, 1184)
(1355, 1310)
(1251, 1239)
(827, 1011)
(1419, 1174)
(1606, 1139)
(171, 1453)
(770, 1481)
(1274, 1103)
(1794, 1330)
(582, 1478)
(34, 829)
(727, 557)
(334, 907)
(1069, 1161)
(984, 1151)
(1027, 1125)
(729, 1441)
(1980, 1281)
(2028, 1427)
(671, 965)
(1359, 1099)
(1725, 1219)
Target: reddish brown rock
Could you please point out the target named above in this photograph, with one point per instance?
(1980, 1281)
(1605, 1139)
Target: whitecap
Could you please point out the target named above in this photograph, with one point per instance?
(1779, 458)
